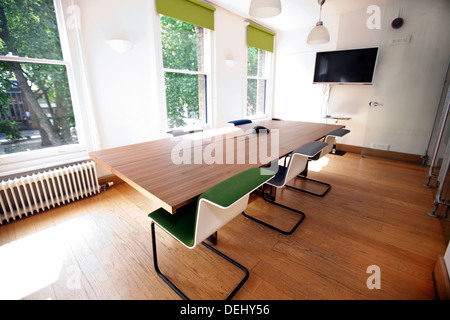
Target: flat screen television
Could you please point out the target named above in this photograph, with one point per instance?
(355, 66)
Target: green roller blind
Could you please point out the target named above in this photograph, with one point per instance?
(191, 11)
(260, 38)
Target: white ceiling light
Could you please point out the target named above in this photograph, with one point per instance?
(319, 34)
(265, 8)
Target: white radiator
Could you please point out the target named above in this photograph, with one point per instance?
(41, 191)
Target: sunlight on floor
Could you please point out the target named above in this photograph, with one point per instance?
(316, 166)
(34, 262)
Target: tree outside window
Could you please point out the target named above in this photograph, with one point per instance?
(35, 101)
(183, 47)
(257, 77)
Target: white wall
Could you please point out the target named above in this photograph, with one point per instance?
(230, 82)
(408, 79)
(128, 88)
(295, 97)
(124, 86)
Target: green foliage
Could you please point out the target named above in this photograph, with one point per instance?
(179, 44)
(180, 51)
(6, 82)
(252, 62)
(251, 96)
(252, 87)
(11, 128)
(28, 28)
(256, 86)
(32, 28)
(181, 98)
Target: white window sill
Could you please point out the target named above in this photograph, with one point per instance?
(15, 164)
(258, 117)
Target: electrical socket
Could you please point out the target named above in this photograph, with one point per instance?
(403, 40)
(379, 146)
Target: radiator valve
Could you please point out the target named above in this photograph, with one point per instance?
(107, 185)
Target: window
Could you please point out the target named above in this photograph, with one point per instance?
(257, 79)
(36, 109)
(185, 31)
(260, 46)
(184, 48)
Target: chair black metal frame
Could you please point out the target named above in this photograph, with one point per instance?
(272, 201)
(330, 139)
(303, 176)
(299, 160)
(175, 288)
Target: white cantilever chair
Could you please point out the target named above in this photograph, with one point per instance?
(196, 221)
(330, 139)
(297, 163)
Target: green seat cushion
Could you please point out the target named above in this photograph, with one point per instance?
(182, 224)
(232, 189)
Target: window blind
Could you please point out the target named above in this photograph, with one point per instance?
(192, 11)
(260, 38)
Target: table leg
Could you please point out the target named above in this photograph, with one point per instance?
(213, 238)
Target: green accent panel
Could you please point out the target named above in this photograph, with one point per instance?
(259, 38)
(192, 11)
(230, 190)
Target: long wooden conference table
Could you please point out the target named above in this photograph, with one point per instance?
(174, 171)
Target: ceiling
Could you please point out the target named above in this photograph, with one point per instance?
(296, 14)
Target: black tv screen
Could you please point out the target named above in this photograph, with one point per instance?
(354, 66)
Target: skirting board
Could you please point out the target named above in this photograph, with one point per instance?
(414, 158)
(109, 178)
(441, 279)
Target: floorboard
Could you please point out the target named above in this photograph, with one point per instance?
(375, 214)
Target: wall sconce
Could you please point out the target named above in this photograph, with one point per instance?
(119, 45)
(229, 60)
(230, 63)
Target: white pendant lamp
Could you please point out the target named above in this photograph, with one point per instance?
(265, 8)
(319, 34)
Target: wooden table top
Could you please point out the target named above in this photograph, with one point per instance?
(176, 170)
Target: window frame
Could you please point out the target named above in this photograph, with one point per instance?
(207, 71)
(88, 140)
(268, 91)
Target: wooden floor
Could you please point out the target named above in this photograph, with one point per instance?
(100, 247)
